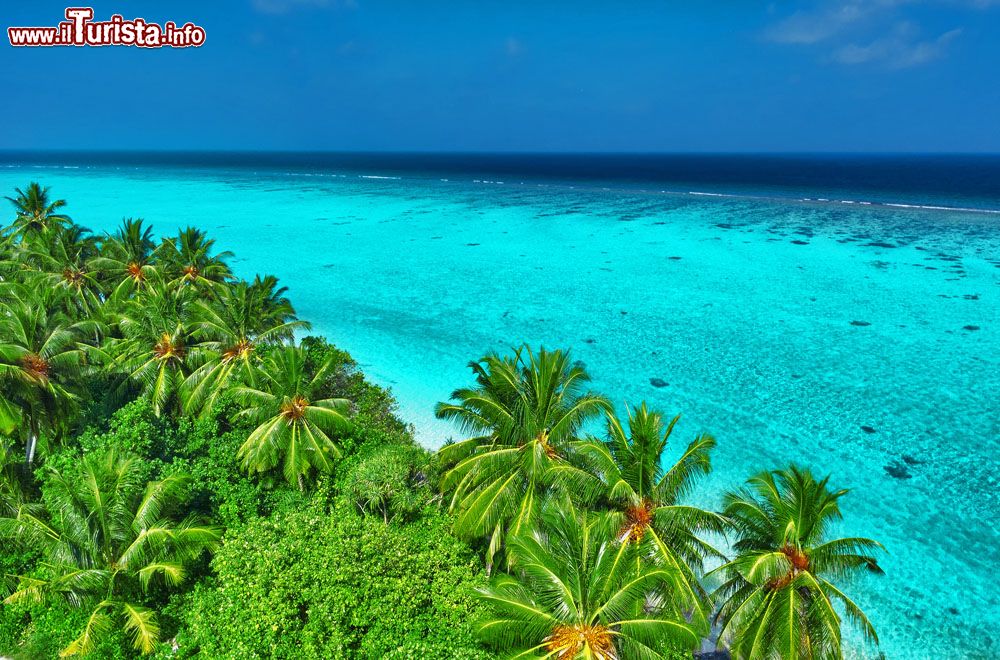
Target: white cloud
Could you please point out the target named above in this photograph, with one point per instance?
(813, 27)
(900, 49)
(854, 32)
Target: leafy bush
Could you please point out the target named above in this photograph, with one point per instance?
(308, 584)
(133, 428)
(233, 497)
(33, 631)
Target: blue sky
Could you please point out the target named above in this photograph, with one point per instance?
(831, 75)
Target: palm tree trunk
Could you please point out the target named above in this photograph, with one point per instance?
(302, 484)
(29, 447)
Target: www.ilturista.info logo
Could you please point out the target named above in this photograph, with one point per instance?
(79, 29)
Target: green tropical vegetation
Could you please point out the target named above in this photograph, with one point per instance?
(576, 591)
(292, 422)
(106, 537)
(523, 412)
(184, 474)
(644, 499)
(778, 599)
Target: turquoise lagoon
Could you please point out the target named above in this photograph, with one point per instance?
(856, 339)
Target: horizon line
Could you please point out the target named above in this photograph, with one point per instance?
(471, 152)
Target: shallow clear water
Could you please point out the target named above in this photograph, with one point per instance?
(783, 328)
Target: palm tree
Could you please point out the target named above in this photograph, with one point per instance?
(645, 500)
(109, 536)
(190, 260)
(244, 318)
(126, 258)
(35, 213)
(778, 600)
(293, 423)
(61, 258)
(391, 481)
(524, 411)
(572, 595)
(40, 359)
(155, 348)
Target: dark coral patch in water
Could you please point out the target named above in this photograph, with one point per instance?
(897, 471)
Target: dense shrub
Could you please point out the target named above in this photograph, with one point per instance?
(29, 632)
(133, 428)
(308, 584)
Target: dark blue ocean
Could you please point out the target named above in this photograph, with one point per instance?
(940, 180)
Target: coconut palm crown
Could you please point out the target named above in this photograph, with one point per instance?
(155, 349)
(779, 600)
(126, 258)
(246, 317)
(191, 259)
(523, 412)
(294, 421)
(645, 498)
(40, 359)
(35, 212)
(571, 594)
